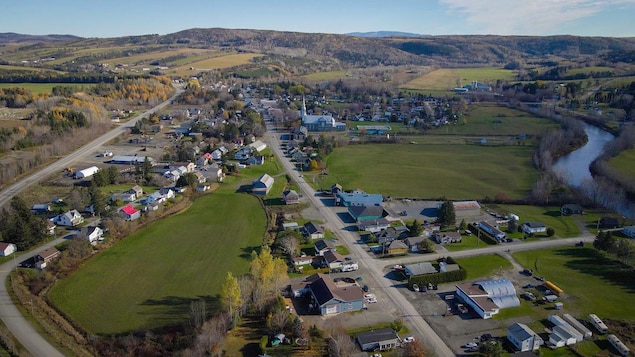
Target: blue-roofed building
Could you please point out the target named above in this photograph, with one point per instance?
(486, 298)
(358, 199)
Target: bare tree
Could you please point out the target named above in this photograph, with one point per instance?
(198, 313)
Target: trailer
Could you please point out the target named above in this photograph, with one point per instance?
(598, 324)
(577, 325)
(619, 345)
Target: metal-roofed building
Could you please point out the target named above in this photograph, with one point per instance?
(488, 297)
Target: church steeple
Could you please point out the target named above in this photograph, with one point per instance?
(303, 113)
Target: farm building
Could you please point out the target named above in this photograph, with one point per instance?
(523, 338)
(87, 172)
(290, 197)
(466, 208)
(41, 208)
(7, 249)
(262, 185)
(533, 227)
(488, 297)
(374, 340)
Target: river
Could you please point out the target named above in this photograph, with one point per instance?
(573, 168)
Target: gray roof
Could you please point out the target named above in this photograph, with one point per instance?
(384, 334)
(421, 268)
(323, 244)
(521, 331)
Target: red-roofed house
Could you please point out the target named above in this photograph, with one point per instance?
(129, 213)
(7, 249)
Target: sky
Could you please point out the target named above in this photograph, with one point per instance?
(114, 18)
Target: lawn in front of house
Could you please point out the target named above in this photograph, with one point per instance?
(564, 226)
(149, 279)
(483, 265)
(432, 171)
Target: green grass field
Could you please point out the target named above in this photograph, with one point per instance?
(625, 162)
(565, 226)
(149, 279)
(483, 266)
(587, 70)
(326, 76)
(447, 78)
(39, 88)
(591, 282)
(431, 171)
(496, 121)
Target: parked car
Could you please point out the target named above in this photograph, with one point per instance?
(528, 286)
(408, 339)
(365, 288)
(470, 345)
(462, 309)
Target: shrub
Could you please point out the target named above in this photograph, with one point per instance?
(550, 232)
(264, 341)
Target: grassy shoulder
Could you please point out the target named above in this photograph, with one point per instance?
(624, 162)
(148, 279)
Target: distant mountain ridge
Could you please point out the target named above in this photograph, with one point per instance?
(385, 34)
(12, 37)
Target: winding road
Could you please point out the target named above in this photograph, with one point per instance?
(376, 266)
(21, 329)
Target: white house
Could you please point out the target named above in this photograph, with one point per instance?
(70, 218)
(7, 249)
(533, 227)
(523, 338)
(92, 234)
(217, 155)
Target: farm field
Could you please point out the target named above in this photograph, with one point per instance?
(624, 162)
(447, 78)
(149, 279)
(39, 88)
(587, 70)
(432, 171)
(214, 63)
(565, 226)
(488, 121)
(592, 282)
(143, 58)
(326, 76)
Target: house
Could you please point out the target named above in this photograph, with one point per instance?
(154, 198)
(397, 247)
(313, 231)
(447, 237)
(123, 197)
(50, 227)
(321, 246)
(533, 227)
(300, 133)
(374, 225)
(523, 338)
(92, 234)
(486, 298)
(256, 160)
(262, 185)
(302, 288)
(415, 244)
(216, 155)
(290, 197)
(358, 199)
(129, 213)
(571, 208)
(41, 208)
(420, 269)
(608, 223)
(70, 218)
(629, 231)
(366, 213)
(258, 145)
(374, 340)
(215, 173)
(333, 259)
(385, 236)
(303, 260)
(335, 189)
(492, 230)
(329, 297)
(46, 256)
(167, 192)
(136, 190)
(7, 249)
(184, 167)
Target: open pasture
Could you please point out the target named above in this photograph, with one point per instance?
(220, 62)
(326, 76)
(432, 171)
(146, 58)
(447, 78)
(497, 121)
(149, 279)
(592, 282)
(624, 162)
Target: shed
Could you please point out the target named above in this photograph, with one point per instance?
(87, 172)
(262, 185)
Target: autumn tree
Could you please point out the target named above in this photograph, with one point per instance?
(413, 349)
(230, 295)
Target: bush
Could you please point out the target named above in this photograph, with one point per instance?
(438, 278)
(550, 232)
(264, 341)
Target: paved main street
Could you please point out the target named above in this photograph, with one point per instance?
(375, 267)
(15, 322)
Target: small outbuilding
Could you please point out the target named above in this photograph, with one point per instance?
(382, 339)
(7, 249)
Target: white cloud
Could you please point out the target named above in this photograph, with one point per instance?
(530, 17)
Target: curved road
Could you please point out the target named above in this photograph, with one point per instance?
(376, 266)
(15, 322)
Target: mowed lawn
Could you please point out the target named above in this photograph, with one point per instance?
(564, 226)
(591, 282)
(625, 162)
(149, 279)
(432, 171)
(497, 121)
(447, 78)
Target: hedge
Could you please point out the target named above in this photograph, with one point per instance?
(438, 278)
